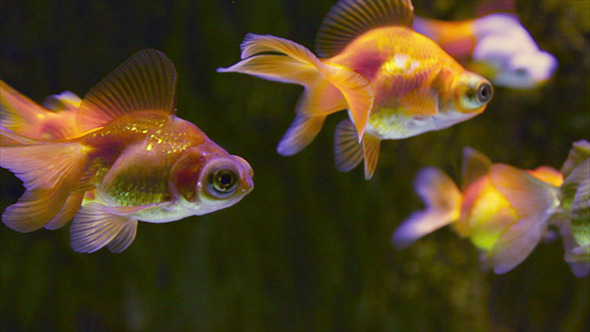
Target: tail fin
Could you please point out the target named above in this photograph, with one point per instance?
(23, 116)
(328, 88)
(443, 205)
(50, 173)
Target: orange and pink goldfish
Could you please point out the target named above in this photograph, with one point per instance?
(503, 210)
(124, 157)
(573, 220)
(496, 46)
(395, 82)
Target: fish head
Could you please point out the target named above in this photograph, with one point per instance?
(471, 93)
(207, 180)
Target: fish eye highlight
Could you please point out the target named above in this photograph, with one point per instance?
(223, 182)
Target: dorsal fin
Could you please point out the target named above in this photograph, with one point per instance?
(475, 165)
(145, 81)
(348, 19)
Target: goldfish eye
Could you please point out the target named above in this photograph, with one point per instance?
(223, 182)
(484, 93)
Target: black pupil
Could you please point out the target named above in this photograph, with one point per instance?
(225, 180)
(484, 93)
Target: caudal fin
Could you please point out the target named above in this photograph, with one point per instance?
(50, 174)
(443, 204)
(328, 88)
(25, 117)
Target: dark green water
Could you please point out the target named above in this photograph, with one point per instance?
(309, 248)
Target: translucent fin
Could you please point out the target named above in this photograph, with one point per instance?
(24, 117)
(16, 110)
(124, 238)
(443, 203)
(534, 202)
(145, 81)
(579, 152)
(579, 261)
(301, 132)
(371, 153)
(475, 165)
(348, 19)
(63, 102)
(421, 102)
(96, 226)
(67, 212)
(348, 152)
(50, 172)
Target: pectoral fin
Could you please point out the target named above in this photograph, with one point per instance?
(534, 201)
(97, 225)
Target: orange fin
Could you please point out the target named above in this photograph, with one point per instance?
(301, 132)
(16, 110)
(348, 19)
(328, 88)
(534, 202)
(475, 165)
(443, 203)
(348, 152)
(371, 145)
(145, 81)
(421, 102)
(50, 172)
(97, 225)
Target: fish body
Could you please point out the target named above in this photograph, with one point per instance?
(496, 45)
(128, 158)
(394, 82)
(504, 211)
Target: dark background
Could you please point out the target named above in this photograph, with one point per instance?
(309, 248)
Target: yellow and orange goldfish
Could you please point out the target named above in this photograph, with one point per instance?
(496, 46)
(395, 82)
(503, 210)
(124, 157)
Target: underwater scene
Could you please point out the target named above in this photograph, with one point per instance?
(295, 165)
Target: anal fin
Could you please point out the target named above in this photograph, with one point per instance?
(371, 145)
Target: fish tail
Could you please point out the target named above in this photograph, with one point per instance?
(52, 174)
(16, 110)
(443, 205)
(25, 117)
(328, 88)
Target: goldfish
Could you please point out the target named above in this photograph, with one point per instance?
(118, 156)
(573, 220)
(395, 83)
(503, 210)
(495, 45)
